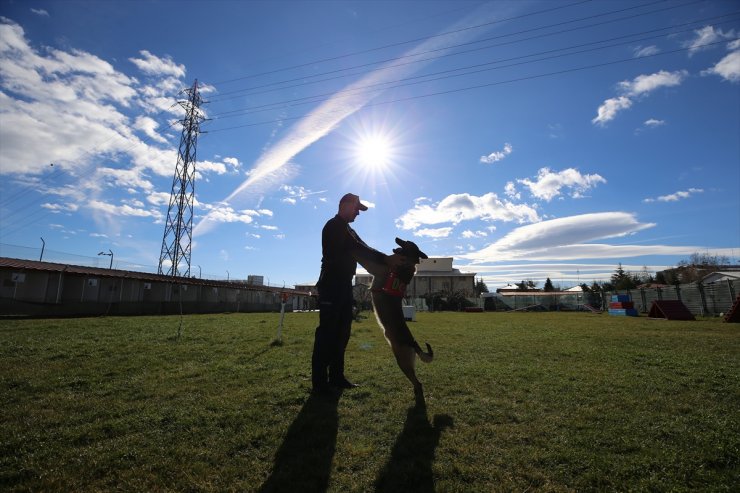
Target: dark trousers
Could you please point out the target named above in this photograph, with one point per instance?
(330, 340)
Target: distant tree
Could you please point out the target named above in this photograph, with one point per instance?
(622, 279)
(585, 288)
(548, 286)
(645, 277)
(660, 278)
(697, 266)
(480, 287)
(698, 259)
(527, 285)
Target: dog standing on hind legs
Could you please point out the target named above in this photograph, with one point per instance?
(387, 292)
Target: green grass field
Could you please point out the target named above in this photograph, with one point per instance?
(514, 402)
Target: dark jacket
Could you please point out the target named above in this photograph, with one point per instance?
(341, 249)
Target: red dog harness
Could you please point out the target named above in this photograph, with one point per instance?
(393, 286)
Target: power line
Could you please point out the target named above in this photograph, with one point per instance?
(491, 84)
(428, 77)
(405, 42)
(603, 14)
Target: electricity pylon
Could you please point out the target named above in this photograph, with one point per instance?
(174, 259)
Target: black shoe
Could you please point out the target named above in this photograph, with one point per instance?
(343, 384)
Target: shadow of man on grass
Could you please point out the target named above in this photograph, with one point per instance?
(303, 461)
(409, 467)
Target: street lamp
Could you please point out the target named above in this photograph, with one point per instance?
(110, 254)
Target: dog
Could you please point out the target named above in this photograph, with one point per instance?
(387, 291)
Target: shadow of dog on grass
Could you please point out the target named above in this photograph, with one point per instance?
(409, 467)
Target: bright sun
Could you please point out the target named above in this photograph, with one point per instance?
(374, 151)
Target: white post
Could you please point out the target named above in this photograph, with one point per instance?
(280, 325)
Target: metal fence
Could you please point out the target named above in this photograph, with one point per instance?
(706, 300)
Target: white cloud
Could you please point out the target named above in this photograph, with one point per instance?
(728, 68)
(40, 12)
(652, 122)
(704, 36)
(548, 184)
(511, 191)
(134, 178)
(88, 116)
(643, 51)
(497, 155)
(151, 64)
(609, 109)
(676, 196)
(639, 87)
(149, 127)
(467, 234)
(223, 213)
(644, 84)
(298, 193)
(122, 210)
(433, 232)
(56, 208)
(158, 198)
(463, 207)
(565, 238)
(226, 165)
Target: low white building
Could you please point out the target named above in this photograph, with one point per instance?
(433, 275)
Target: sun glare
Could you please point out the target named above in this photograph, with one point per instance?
(374, 151)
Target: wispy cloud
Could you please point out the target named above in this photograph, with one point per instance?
(51, 91)
(635, 89)
(676, 196)
(653, 122)
(294, 194)
(224, 213)
(609, 109)
(433, 232)
(511, 191)
(497, 155)
(705, 36)
(729, 66)
(549, 184)
(40, 12)
(641, 51)
(151, 64)
(465, 207)
(331, 113)
(467, 234)
(569, 238)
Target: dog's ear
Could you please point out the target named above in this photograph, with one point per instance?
(400, 242)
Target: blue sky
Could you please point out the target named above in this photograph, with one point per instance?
(525, 139)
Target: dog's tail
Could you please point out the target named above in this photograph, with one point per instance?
(425, 357)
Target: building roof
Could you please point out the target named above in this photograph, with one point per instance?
(721, 276)
(35, 265)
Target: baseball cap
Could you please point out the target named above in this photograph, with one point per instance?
(350, 197)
